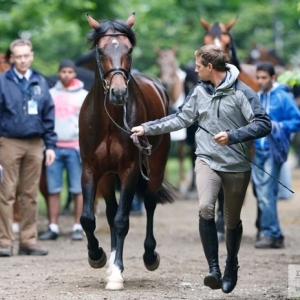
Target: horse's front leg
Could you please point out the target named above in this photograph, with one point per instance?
(96, 255)
(121, 225)
(151, 257)
(108, 191)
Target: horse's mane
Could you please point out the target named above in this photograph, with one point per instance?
(215, 30)
(234, 58)
(117, 26)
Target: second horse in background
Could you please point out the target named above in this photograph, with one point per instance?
(173, 78)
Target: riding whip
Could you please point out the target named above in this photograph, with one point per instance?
(249, 160)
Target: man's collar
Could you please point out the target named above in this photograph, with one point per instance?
(26, 75)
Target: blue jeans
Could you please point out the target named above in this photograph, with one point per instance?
(286, 178)
(69, 159)
(266, 193)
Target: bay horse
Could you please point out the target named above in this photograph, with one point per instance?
(117, 101)
(260, 53)
(219, 35)
(173, 78)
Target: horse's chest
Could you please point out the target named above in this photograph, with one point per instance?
(114, 150)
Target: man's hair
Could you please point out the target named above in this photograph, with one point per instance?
(267, 67)
(214, 55)
(20, 42)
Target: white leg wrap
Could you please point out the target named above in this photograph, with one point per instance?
(115, 280)
(111, 262)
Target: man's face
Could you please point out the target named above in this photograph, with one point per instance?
(264, 80)
(66, 75)
(204, 72)
(22, 57)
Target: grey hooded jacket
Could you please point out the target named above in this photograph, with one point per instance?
(232, 107)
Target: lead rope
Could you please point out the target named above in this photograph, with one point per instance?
(141, 143)
(144, 150)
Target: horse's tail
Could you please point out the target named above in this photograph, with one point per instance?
(166, 194)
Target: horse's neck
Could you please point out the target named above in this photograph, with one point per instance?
(177, 90)
(247, 76)
(250, 81)
(233, 58)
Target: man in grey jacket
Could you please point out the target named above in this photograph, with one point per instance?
(229, 113)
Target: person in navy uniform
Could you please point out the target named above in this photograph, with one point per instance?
(26, 135)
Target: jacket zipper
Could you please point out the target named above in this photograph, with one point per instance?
(218, 108)
(218, 115)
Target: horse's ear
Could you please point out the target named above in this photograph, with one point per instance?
(93, 23)
(131, 19)
(205, 24)
(230, 24)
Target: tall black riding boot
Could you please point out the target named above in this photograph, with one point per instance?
(209, 239)
(233, 241)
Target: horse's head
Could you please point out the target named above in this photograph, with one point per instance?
(218, 34)
(167, 65)
(261, 53)
(113, 42)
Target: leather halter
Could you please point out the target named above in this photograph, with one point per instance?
(117, 71)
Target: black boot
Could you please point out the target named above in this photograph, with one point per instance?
(209, 239)
(233, 241)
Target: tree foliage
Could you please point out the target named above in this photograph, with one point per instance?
(58, 29)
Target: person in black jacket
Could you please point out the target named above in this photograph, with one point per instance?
(26, 129)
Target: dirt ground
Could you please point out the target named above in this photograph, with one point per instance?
(65, 273)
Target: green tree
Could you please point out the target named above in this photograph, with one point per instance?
(56, 29)
(59, 29)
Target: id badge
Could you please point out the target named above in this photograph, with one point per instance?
(32, 107)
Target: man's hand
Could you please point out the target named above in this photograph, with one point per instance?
(138, 130)
(50, 157)
(221, 138)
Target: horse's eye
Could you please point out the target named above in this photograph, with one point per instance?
(130, 51)
(100, 51)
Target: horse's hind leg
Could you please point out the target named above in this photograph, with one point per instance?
(151, 258)
(96, 255)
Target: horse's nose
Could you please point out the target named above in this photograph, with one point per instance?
(119, 95)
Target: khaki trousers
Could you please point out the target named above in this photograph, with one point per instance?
(209, 183)
(21, 161)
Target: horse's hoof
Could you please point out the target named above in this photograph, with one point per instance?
(155, 265)
(100, 263)
(115, 286)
